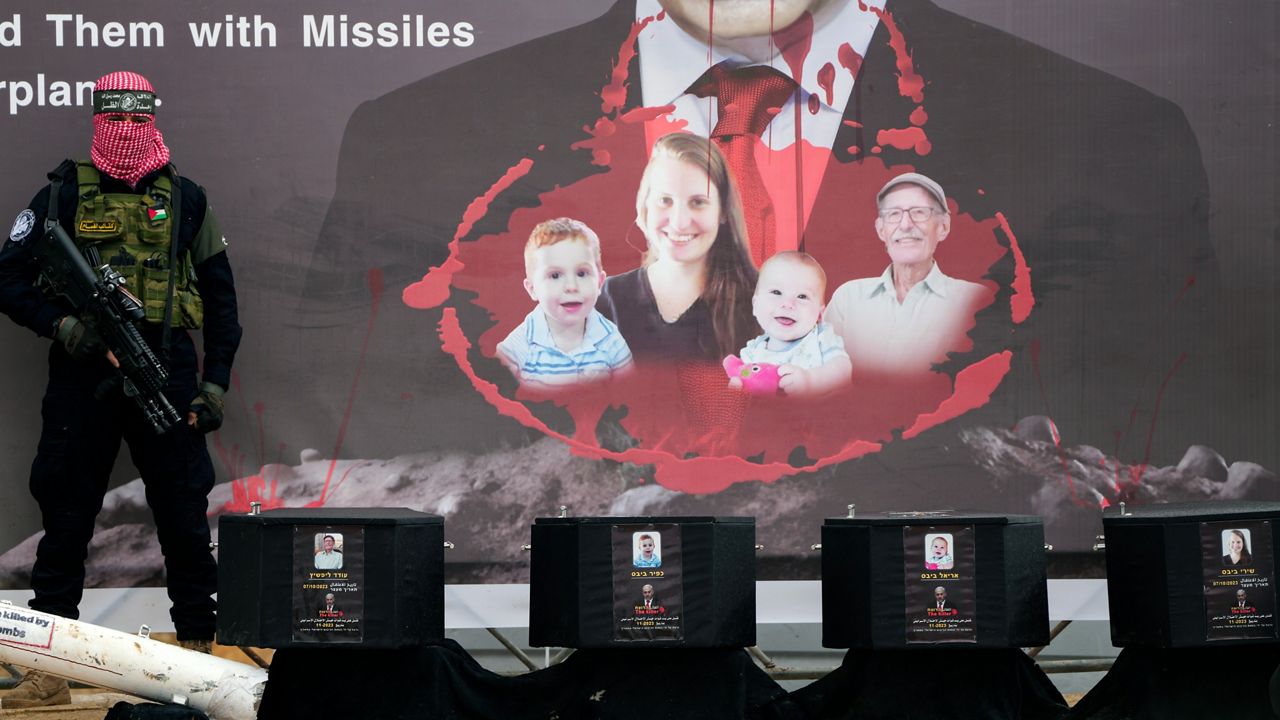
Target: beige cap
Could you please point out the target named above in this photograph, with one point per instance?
(926, 183)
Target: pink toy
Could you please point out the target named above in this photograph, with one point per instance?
(757, 378)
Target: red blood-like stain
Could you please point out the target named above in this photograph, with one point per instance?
(910, 84)
(981, 191)
(908, 138)
(853, 149)
(794, 42)
(1186, 288)
(1137, 471)
(973, 389)
(1035, 348)
(1023, 299)
(827, 80)
(919, 116)
(852, 123)
(849, 59)
(374, 280)
(542, 147)
(814, 105)
(876, 150)
(614, 95)
(433, 288)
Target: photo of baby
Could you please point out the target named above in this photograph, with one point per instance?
(938, 552)
(797, 354)
(647, 549)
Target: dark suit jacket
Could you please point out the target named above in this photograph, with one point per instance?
(1100, 181)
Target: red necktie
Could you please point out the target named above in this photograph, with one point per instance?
(747, 99)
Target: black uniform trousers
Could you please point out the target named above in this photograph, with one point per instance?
(79, 441)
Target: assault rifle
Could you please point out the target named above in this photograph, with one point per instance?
(104, 302)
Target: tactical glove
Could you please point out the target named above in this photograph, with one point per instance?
(205, 413)
(79, 340)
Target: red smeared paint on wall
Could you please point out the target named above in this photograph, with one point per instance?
(973, 389)
(827, 80)
(374, 280)
(1186, 288)
(614, 95)
(919, 116)
(794, 41)
(1023, 299)
(849, 59)
(908, 138)
(1137, 471)
(1035, 349)
(433, 288)
(910, 84)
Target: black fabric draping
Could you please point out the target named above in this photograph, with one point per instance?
(1184, 684)
(443, 681)
(933, 684)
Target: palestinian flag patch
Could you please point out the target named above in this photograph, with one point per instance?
(157, 214)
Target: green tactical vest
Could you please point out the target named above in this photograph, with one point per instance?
(132, 233)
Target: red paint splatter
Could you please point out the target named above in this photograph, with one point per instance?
(852, 123)
(909, 138)
(1067, 480)
(910, 84)
(614, 95)
(981, 191)
(973, 389)
(794, 41)
(1137, 471)
(919, 116)
(433, 288)
(1186, 288)
(827, 80)
(374, 280)
(853, 149)
(814, 105)
(1023, 299)
(849, 59)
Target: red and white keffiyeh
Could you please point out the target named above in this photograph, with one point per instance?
(127, 151)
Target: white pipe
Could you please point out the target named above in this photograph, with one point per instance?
(222, 689)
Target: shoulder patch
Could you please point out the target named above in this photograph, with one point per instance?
(22, 226)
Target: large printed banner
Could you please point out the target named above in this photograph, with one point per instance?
(492, 260)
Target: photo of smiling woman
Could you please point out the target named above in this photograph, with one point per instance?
(690, 299)
(1235, 545)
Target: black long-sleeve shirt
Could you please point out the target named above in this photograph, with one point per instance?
(198, 232)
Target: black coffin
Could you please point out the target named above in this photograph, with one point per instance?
(589, 580)
(380, 583)
(879, 587)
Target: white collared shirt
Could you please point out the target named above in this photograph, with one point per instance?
(886, 336)
(671, 60)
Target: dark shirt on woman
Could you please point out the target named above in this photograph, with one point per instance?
(628, 301)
